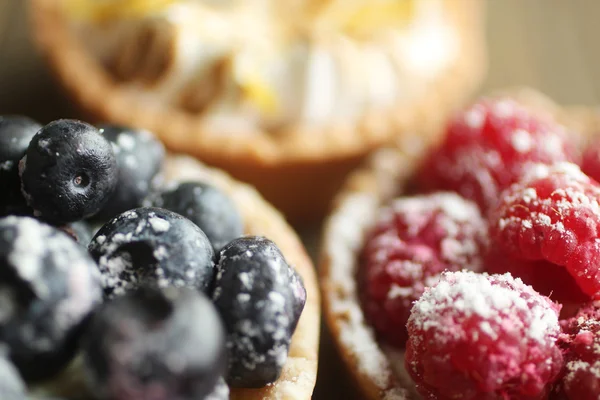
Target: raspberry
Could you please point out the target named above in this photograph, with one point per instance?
(487, 148)
(553, 214)
(548, 279)
(478, 336)
(590, 163)
(414, 240)
(581, 375)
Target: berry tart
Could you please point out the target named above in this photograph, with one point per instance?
(471, 272)
(287, 95)
(132, 274)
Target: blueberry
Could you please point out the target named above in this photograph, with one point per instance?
(159, 344)
(140, 158)
(15, 134)
(260, 298)
(12, 386)
(48, 286)
(81, 231)
(207, 207)
(152, 245)
(68, 172)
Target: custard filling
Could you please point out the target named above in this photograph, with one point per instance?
(264, 64)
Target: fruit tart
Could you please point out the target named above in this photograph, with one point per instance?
(287, 95)
(130, 273)
(472, 272)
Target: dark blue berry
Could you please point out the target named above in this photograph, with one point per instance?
(260, 298)
(207, 207)
(81, 231)
(159, 344)
(152, 245)
(140, 158)
(48, 286)
(12, 386)
(15, 134)
(68, 172)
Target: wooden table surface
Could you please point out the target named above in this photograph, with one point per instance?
(547, 44)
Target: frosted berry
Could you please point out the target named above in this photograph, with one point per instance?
(474, 336)
(81, 231)
(581, 376)
(553, 214)
(15, 134)
(68, 172)
(12, 386)
(140, 156)
(488, 146)
(48, 285)
(412, 243)
(152, 245)
(206, 206)
(155, 344)
(260, 298)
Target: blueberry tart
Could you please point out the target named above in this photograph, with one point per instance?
(142, 275)
(288, 96)
(484, 245)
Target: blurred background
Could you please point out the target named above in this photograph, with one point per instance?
(547, 44)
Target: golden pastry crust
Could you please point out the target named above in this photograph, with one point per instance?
(300, 371)
(382, 178)
(297, 171)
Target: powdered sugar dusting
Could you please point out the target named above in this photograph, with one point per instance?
(460, 219)
(582, 344)
(553, 214)
(539, 171)
(474, 118)
(522, 141)
(345, 239)
(159, 225)
(491, 299)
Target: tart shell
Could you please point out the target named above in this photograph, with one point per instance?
(297, 171)
(299, 374)
(384, 176)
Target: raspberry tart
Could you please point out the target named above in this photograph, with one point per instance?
(138, 274)
(483, 245)
(288, 96)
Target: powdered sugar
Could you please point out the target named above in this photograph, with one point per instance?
(459, 219)
(159, 225)
(552, 214)
(491, 299)
(474, 118)
(343, 242)
(522, 141)
(540, 171)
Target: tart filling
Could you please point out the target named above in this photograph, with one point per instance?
(540, 251)
(247, 66)
(130, 287)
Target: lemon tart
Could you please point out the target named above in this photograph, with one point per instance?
(288, 96)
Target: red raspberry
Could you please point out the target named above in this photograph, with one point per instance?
(487, 148)
(581, 375)
(553, 214)
(590, 163)
(482, 337)
(548, 279)
(414, 240)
